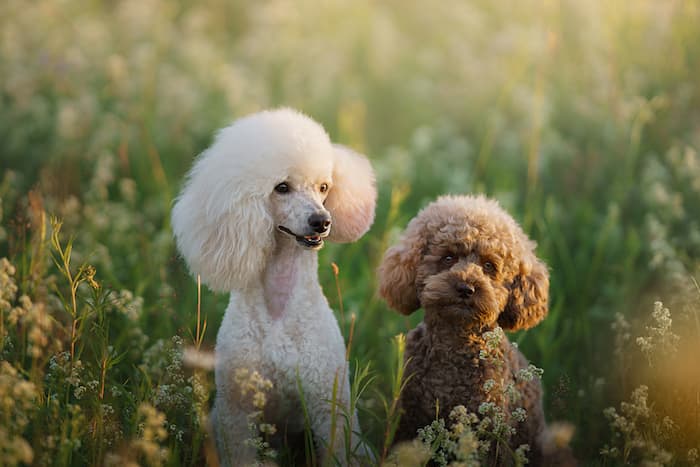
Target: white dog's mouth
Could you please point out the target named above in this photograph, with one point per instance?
(313, 242)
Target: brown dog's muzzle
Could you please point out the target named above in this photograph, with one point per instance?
(469, 281)
(463, 293)
(462, 286)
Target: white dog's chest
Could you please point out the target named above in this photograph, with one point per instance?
(281, 349)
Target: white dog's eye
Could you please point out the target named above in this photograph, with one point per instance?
(282, 188)
(323, 188)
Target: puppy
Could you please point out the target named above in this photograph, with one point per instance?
(470, 266)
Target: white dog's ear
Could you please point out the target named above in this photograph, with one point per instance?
(223, 233)
(353, 195)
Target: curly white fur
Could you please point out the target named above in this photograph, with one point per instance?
(241, 235)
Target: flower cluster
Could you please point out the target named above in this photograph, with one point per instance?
(251, 384)
(253, 387)
(8, 286)
(621, 329)
(125, 302)
(630, 426)
(654, 427)
(409, 454)
(467, 442)
(672, 197)
(152, 433)
(39, 325)
(491, 352)
(661, 341)
(18, 399)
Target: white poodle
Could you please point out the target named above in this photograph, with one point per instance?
(256, 207)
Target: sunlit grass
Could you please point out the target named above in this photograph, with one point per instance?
(580, 117)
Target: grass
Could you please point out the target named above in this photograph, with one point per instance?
(580, 117)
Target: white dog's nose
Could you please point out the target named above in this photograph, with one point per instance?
(320, 222)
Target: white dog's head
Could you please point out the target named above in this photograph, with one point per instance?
(270, 173)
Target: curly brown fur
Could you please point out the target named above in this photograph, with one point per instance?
(470, 266)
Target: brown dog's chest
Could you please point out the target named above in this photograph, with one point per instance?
(446, 373)
(454, 376)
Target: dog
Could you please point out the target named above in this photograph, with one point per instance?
(255, 209)
(472, 269)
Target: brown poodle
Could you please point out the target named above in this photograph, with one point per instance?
(472, 268)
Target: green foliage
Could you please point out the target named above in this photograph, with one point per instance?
(580, 117)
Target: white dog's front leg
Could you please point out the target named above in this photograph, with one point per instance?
(231, 432)
(333, 432)
(342, 439)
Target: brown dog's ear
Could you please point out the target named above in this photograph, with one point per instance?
(397, 275)
(528, 302)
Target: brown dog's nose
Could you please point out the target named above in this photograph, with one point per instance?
(465, 290)
(320, 222)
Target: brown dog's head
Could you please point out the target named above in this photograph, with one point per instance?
(463, 258)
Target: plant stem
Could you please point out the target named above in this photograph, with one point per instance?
(198, 340)
(103, 376)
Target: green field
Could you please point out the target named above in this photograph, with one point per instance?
(581, 117)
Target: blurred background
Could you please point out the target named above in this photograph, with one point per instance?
(581, 117)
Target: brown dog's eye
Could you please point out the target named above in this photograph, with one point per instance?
(489, 267)
(449, 260)
(282, 188)
(323, 188)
